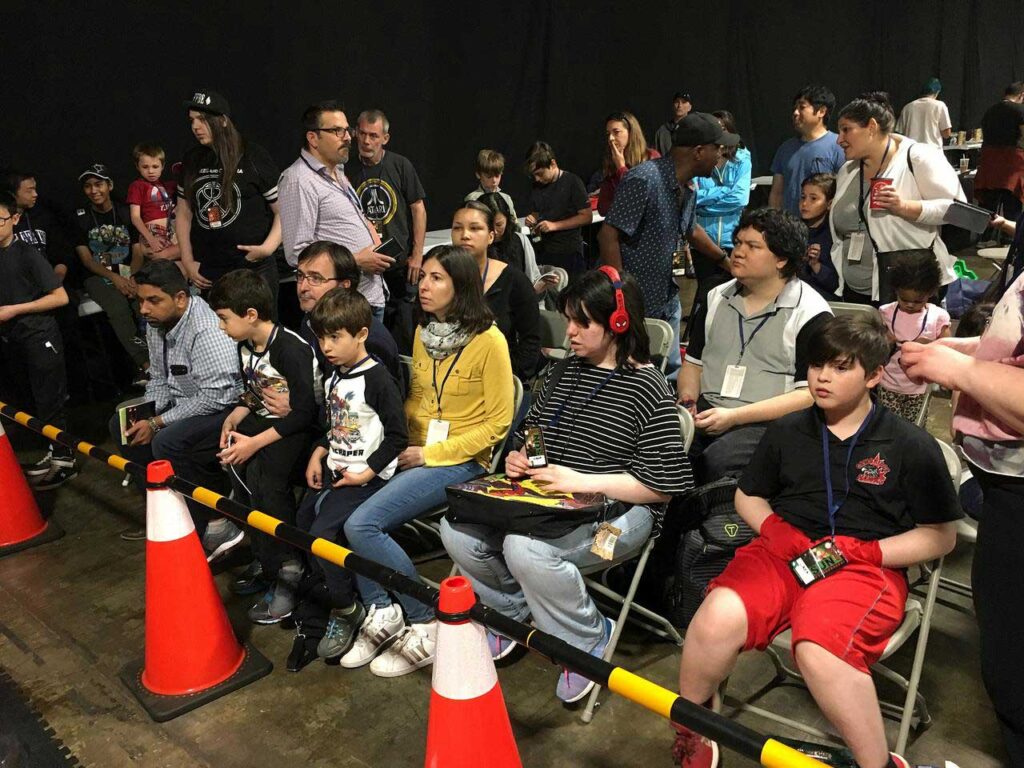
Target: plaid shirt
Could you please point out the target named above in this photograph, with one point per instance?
(314, 206)
(194, 370)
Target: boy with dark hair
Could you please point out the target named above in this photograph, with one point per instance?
(559, 208)
(490, 165)
(263, 449)
(812, 150)
(844, 496)
(366, 430)
(29, 292)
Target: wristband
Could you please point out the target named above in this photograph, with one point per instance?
(153, 425)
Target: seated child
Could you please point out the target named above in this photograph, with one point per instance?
(366, 430)
(490, 165)
(815, 203)
(152, 200)
(261, 449)
(848, 485)
(915, 278)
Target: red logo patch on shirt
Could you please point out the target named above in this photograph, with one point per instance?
(872, 471)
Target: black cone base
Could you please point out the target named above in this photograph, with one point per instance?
(51, 532)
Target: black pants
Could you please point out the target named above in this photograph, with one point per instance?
(852, 297)
(38, 356)
(324, 515)
(264, 482)
(998, 581)
(191, 445)
(725, 455)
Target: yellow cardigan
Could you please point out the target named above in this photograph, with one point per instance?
(477, 400)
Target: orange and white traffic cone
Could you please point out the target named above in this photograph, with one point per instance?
(469, 724)
(21, 524)
(192, 654)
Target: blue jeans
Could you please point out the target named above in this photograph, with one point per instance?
(406, 496)
(519, 575)
(672, 313)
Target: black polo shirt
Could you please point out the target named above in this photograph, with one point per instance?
(898, 477)
(25, 276)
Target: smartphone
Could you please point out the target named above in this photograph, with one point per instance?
(536, 454)
(329, 476)
(390, 247)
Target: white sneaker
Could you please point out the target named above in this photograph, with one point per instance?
(413, 649)
(380, 628)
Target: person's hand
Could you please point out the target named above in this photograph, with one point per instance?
(715, 421)
(997, 221)
(938, 363)
(7, 313)
(782, 539)
(413, 267)
(139, 433)
(229, 426)
(124, 285)
(242, 449)
(354, 478)
(278, 403)
(557, 478)
(371, 261)
(814, 257)
(530, 221)
(255, 253)
(200, 282)
(859, 551)
(618, 158)
(315, 469)
(411, 457)
(516, 465)
(544, 227)
(888, 198)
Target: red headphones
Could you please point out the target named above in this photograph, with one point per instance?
(619, 318)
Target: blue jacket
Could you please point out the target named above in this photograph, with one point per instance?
(722, 196)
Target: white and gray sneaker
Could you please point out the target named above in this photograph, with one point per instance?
(220, 539)
(413, 649)
(378, 630)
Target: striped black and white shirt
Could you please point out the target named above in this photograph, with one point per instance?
(599, 421)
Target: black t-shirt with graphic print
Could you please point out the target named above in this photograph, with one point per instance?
(385, 191)
(109, 235)
(897, 477)
(215, 244)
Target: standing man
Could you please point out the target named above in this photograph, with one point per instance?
(655, 207)
(926, 119)
(681, 106)
(392, 197)
(999, 185)
(319, 203)
(813, 150)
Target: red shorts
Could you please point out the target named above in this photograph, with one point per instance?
(851, 614)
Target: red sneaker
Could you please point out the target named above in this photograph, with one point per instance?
(691, 750)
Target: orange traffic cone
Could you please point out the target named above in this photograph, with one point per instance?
(469, 725)
(192, 654)
(21, 524)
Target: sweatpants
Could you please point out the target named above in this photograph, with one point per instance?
(39, 357)
(122, 314)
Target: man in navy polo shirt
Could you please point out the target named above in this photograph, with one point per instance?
(654, 208)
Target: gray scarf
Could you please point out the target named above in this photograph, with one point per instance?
(443, 339)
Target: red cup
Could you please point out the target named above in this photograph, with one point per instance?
(876, 184)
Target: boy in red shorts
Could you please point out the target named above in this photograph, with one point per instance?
(845, 496)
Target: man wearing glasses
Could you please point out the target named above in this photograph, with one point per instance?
(319, 204)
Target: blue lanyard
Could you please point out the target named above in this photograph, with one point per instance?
(833, 507)
(346, 189)
(593, 393)
(483, 277)
(895, 311)
(335, 377)
(743, 340)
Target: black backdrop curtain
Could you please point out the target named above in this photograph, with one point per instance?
(84, 81)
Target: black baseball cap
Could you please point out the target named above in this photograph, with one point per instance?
(99, 170)
(701, 128)
(210, 102)
(682, 96)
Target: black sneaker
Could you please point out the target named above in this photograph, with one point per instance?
(39, 468)
(61, 470)
(250, 581)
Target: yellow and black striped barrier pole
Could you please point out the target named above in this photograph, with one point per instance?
(746, 741)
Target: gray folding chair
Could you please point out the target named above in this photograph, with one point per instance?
(554, 342)
(966, 530)
(846, 309)
(655, 623)
(912, 712)
(661, 337)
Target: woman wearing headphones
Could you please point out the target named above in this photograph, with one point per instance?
(609, 426)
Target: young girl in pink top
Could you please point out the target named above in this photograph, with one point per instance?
(915, 278)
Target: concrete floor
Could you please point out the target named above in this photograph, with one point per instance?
(71, 615)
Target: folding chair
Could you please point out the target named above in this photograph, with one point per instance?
(965, 531)
(554, 342)
(913, 711)
(664, 627)
(846, 309)
(661, 337)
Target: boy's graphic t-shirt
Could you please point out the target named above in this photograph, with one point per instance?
(286, 365)
(155, 201)
(108, 235)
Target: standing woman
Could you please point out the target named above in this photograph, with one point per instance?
(459, 408)
(227, 216)
(625, 147)
(914, 185)
(507, 290)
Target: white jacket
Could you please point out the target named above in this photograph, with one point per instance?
(933, 182)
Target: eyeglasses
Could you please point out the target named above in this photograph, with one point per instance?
(338, 132)
(312, 278)
(5, 219)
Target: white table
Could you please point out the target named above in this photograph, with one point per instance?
(967, 146)
(436, 237)
(760, 181)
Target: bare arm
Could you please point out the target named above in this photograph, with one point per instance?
(716, 421)
(753, 509)
(58, 297)
(688, 386)
(775, 196)
(582, 218)
(608, 245)
(618, 485)
(419, 235)
(699, 239)
(918, 545)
